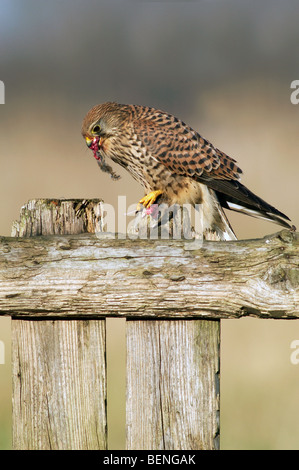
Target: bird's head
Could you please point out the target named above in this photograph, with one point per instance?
(100, 125)
(101, 130)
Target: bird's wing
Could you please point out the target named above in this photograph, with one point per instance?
(185, 152)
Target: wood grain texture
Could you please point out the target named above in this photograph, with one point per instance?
(173, 382)
(173, 385)
(59, 367)
(59, 217)
(91, 276)
(59, 385)
(172, 366)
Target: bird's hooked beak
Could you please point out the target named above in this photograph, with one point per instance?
(95, 145)
(88, 141)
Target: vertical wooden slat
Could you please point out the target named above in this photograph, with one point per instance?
(59, 389)
(173, 376)
(173, 384)
(59, 367)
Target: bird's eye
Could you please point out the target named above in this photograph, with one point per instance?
(96, 129)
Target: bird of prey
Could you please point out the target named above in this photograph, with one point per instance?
(174, 164)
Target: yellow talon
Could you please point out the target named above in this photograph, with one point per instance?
(150, 198)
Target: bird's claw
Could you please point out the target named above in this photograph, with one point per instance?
(149, 199)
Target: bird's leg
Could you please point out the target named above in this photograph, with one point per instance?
(150, 198)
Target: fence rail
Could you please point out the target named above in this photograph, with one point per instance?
(59, 284)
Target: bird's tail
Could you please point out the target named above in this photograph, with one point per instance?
(215, 225)
(233, 195)
(246, 202)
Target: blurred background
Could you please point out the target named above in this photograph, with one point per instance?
(224, 67)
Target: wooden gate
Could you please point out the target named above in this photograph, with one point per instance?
(63, 276)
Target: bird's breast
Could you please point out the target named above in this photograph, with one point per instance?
(150, 173)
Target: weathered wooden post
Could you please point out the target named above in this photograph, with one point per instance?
(58, 365)
(173, 369)
(58, 291)
(173, 384)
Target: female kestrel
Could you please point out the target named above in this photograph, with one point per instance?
(174, 163)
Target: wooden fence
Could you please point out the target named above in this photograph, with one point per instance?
(59, 281)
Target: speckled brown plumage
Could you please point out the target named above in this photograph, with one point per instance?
(163, 153)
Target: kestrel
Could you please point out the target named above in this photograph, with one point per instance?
(174, 164)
